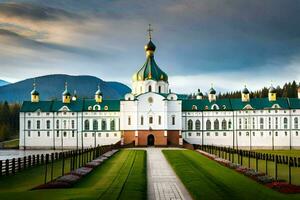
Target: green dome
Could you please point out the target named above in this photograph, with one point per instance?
(150, 46)
(66, 92)
(245, 91)
(212, 91)
(199, 93)
(272, 89)
(150, 70)
(34, 92)
(98, 92)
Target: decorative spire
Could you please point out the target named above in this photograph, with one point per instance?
(34, 84)
(150, 30)
(66, 85)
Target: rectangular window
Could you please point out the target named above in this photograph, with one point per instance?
(129, 120)
(73, 124)
(39, 134)
(198, 134)
(73, 133)
(38, 124)
(107, 134)
(99, 134)
(48, 124)
(28, 133)
(57, 134)
(65, 134)
(173, 120)
(142, 120)
(48, 134)
(159, 120)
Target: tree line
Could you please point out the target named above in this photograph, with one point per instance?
(289, 89)
(9, 120)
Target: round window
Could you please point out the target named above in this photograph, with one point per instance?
(150, 100)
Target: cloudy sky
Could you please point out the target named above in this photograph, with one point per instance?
(225, 42)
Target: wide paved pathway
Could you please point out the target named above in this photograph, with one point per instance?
(163, 184)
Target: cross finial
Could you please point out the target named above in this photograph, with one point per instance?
(34, 84)
(150, 30)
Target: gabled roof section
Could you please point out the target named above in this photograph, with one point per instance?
(73, 106)
(260, 103)
(205, 105)
(105, 105)
(42, 106)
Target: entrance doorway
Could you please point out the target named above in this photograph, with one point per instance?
(150, 140)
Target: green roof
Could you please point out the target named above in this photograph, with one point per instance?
(204, 104)
(105, 105)
(73, 106)
(43, 106)
(294, 103)
(259, 103)
(237, 104)
(150, 70)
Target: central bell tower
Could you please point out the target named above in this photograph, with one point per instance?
(150, 78)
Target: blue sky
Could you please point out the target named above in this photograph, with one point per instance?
(229, 43)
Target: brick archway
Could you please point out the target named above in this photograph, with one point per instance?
(150, 140)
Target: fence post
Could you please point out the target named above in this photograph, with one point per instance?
(276, 159)
(52, 160)
(46, 169)
(0, 167)
(290, 171)
(19, 164)
(256, 160)
(13, 167)
(63, 164)
(249, 158)
(7, 167)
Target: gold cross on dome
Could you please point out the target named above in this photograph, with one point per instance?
(150, 30)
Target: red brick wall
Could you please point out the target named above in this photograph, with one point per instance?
(129, 137)
(159, 138)
(173, 137)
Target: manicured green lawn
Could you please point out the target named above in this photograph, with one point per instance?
(11, 144)
(206, 179)
(122, 176)
(293, 152)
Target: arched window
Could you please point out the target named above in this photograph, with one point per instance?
(103, 125)
(29, 124)
(261, 123)
(224, 124)
(149, 88)
(95, 125)
(86, 125)
(245, 123)
(159, 89)
(198, 125)
(216, 125)
(208, 125)
(150, 120)
(48, 124)
(285, 123)
(296, 122)
(112, 125)
(57, 124)
(190, 124)
(229, 124)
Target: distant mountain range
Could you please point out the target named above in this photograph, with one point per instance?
(2, 82)
(52, 86)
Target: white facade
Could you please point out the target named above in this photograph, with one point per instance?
(240, 123)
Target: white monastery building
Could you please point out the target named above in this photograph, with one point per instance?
(153, 115)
